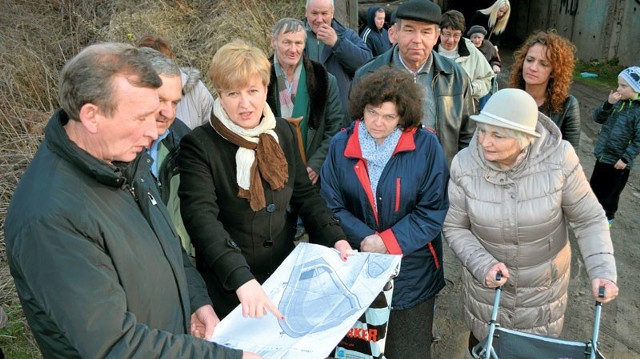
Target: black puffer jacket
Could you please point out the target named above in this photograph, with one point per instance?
(97, 265)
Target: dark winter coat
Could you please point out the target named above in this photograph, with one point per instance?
(97, 265)
(490, 53)
(619, 137)
(168, 169)
(568, 121)
(411, 206)
(233, 243)
(376, 39)
(342, 61)
(454, 103)
(324, 114)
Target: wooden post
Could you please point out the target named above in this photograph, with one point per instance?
(346, 12)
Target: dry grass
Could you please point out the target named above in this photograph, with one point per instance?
(38, 37)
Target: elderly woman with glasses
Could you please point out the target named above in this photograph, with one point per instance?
(242, 185)
(386, 180)
(514, 192)
(451, 44)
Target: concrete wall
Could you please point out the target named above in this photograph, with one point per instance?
(588, 27)
(628, 50)
(601, 30)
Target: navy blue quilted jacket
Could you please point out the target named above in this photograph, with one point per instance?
(412, 203)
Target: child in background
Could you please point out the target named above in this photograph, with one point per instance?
(476, 34)
(618, 142)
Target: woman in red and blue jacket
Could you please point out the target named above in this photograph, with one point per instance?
(386, 178)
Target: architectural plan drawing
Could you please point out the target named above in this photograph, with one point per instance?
(320, 296)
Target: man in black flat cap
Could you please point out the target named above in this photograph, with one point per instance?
(447, 92)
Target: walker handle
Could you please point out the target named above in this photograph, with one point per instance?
(596, 325)
(601, 290)
(499, 276)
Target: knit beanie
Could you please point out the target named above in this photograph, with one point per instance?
(477, 29)
(632, 76)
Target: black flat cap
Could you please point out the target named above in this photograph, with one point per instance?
(420, 10)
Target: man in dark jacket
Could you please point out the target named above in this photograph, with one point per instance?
(164, 150)
(374, 34)
(447, 92)
(96, 262)
(338, 48)
(300, 87)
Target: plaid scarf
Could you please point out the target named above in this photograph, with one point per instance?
(287, 90)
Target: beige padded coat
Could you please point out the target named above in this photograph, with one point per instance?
(520, 217)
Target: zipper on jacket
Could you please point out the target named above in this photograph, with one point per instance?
(397, 207)
(433, 90)
(153, 200)
(132, 192)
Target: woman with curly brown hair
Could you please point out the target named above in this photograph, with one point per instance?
(543, 67)
(385, 178)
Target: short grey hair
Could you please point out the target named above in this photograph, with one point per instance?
(160, 62)
(288, 25)
(309, 2)
(523, 139)
(88, 77)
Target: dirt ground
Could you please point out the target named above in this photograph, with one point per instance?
(620, 319)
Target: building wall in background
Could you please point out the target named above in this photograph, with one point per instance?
(346, 12)
(601, 30)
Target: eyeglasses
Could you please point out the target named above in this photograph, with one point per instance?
(448, 35)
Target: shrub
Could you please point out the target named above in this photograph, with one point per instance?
(38, 37)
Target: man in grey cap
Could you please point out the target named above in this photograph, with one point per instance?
(447, 91)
